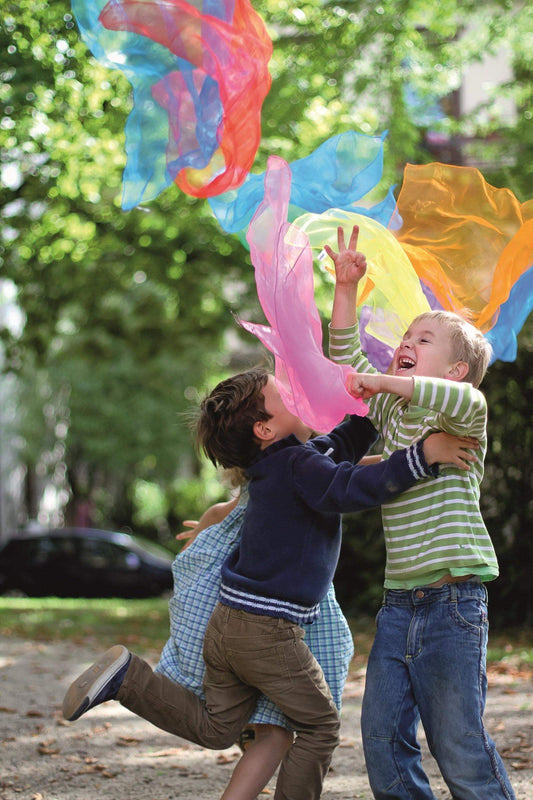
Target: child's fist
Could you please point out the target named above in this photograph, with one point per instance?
(363, 385)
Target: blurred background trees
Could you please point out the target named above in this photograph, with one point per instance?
(113, 322)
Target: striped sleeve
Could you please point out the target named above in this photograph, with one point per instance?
(345, 348)
(461, 408)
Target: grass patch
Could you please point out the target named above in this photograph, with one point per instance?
(514, 647)
(142, 624)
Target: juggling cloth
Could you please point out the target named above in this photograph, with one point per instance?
(453, 242)
(338, 174)
(311, 386)
(472, 245)
(199, 78)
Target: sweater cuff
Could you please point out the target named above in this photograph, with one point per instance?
(418, 464)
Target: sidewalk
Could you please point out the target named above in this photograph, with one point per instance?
(111, 754)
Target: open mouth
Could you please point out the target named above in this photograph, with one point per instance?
(404, 363)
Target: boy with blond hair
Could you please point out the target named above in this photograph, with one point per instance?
(428, 658)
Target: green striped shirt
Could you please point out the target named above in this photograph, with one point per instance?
(435, 527)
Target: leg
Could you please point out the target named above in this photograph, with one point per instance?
(174, 709)
(389, 718)
(450, 687)
(271, 655)
(215, 722)
(259, 762)
(330, 640)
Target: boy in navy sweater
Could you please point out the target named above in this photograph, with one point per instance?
(273, 582)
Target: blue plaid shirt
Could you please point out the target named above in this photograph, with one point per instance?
(196, 590)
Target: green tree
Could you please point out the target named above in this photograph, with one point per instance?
(128, 314)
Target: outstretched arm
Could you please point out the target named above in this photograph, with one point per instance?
(350, 266)
(365, 386)
(327, 486)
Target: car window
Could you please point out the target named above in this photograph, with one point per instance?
(46, 549)
(104, 555)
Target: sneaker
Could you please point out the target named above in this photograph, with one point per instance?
(98, 683)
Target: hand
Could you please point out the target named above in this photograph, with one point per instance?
(191, 535)
(350, 264)
(448, 449)
(363, 385)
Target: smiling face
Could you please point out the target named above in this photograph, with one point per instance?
(426, 350)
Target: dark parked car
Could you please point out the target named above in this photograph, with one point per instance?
(84, 562)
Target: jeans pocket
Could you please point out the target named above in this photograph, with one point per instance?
(470, 614)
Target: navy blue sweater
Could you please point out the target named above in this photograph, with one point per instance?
(291, 532)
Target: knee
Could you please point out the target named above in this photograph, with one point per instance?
(278, 737)
(323, 737)
(219, 739)
(329, 734)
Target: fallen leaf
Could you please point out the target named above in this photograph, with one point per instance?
(227, 759)
(45, 748)
(48, 751)
(127, 741)
(171, 751)
(525, 763)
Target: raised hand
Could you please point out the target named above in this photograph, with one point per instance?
(350, 264)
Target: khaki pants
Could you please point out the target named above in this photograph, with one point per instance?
(246, 654)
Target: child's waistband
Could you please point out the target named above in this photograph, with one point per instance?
(473, 587)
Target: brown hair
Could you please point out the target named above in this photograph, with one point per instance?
(467, 341)
(227, 417)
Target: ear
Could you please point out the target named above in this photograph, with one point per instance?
(458, 371)
(263, 431)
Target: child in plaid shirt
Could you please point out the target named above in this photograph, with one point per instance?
(196, 589)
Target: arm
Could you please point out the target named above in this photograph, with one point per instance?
(350, 266)
(212, 516)
(349, 441)
(343, 487)
(366, 460)
(461, 408)
(338, 488)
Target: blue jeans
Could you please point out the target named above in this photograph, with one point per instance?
(428, 663)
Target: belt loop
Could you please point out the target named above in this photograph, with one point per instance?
(453, 592)
(384, 599)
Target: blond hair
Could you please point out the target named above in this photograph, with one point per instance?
(467, 342)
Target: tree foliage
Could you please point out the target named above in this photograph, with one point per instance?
(127, 315)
